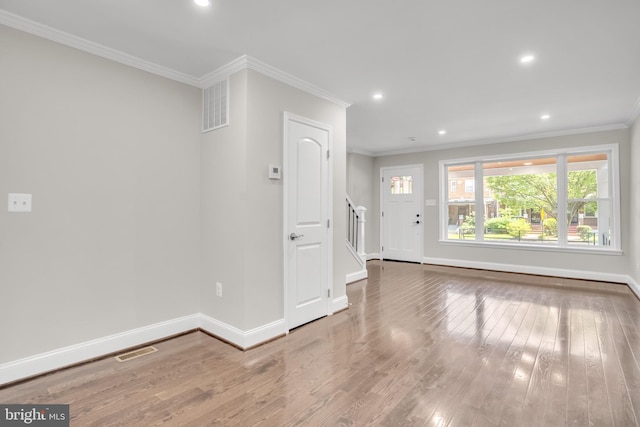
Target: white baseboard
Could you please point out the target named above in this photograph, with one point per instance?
(373, 255)
(358, 275)
(239, 338)
(77, 353)
(339, 304)
(634, 286)
(527, 269)
(65, 356)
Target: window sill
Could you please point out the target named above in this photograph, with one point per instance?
(534, 247)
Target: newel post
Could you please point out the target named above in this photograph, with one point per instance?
(360, 210)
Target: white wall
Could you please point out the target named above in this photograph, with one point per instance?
(242, 207)
(610, 264)
(360, 180)
(111, 156)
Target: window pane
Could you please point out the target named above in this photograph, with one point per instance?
(589, 223)
(588, 207)
(588, 176)
(520, 201)
(461, 202)
(401, 185)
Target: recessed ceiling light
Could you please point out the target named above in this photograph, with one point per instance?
(442, 132)
(202, 3)
(378, 96)
(526, 59)
(545, 117)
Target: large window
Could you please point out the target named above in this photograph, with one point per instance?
(565, 199)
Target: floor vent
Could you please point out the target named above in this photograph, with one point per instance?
(135, 353)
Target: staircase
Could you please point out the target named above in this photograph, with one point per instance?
(355, 241)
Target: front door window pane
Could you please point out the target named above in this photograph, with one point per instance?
(401, 185)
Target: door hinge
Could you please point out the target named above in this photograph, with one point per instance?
(383, 179)
(382, 213)
(328, 223)
(328, 154)
(382, 250)
(329, 293)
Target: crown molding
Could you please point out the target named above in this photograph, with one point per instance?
(246, 62)
(635, 114)
(488, 141)
(360, 151)
(241, 63)
(291, 80)
(223, 72)
(49, 33)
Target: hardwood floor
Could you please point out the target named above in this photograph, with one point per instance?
(420, 345)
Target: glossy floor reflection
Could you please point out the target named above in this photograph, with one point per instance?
(420, 345)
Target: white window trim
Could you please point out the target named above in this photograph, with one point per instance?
(560, 153)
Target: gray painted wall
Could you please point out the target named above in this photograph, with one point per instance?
(615, 264)
(136, 213)
(243, 208)
(225, 211)
(360, 180)
(111, 156)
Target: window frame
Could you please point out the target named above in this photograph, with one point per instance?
(561, 155)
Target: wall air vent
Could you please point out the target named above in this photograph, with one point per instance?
(215, 106)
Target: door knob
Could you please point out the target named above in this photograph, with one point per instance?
(294, 236)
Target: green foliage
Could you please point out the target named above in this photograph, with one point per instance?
(470, 220)
(518, 227)
(497, 225)
(538, 191)
(506, 212)
(517, 192)
(469, 224)
(584, 231)
(590, 208)
(550, 227)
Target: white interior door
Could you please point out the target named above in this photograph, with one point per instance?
(402, 214)
(307, 184)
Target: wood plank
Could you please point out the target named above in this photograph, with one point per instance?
(419, 346)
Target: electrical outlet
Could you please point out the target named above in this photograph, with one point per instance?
(19, 202)
(219, 289)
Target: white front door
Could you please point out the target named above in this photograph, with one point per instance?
(307, 189)
(401, 217)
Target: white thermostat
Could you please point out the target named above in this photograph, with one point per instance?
(274, 172)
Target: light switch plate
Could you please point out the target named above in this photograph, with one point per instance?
(19, 202)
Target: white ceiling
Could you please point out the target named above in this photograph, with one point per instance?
(450, 65)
